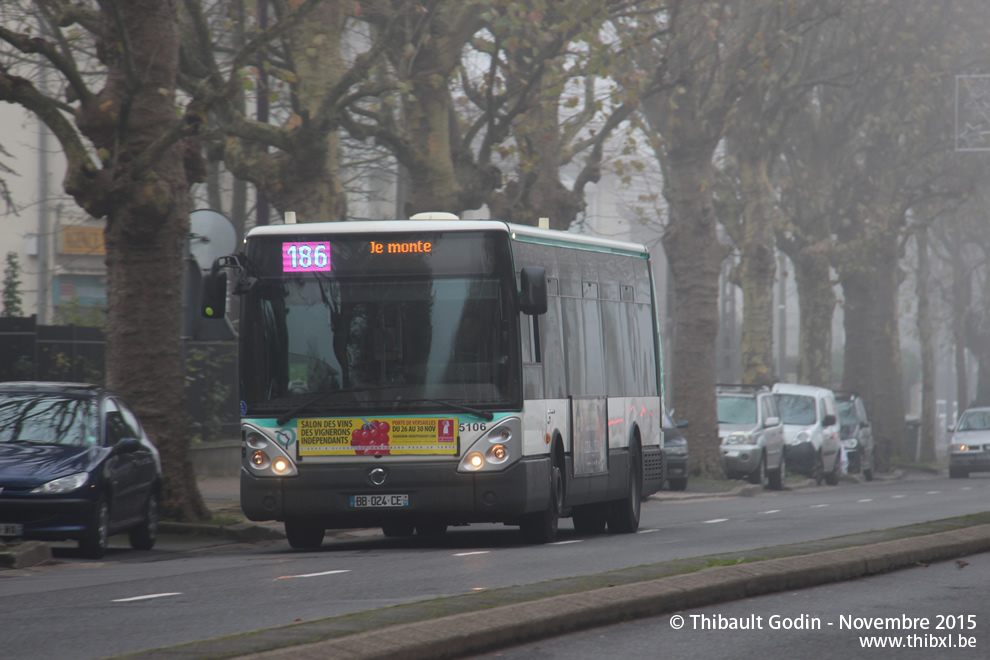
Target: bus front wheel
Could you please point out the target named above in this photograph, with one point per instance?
(541, 527)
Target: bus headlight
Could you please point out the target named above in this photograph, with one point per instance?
(475, 461)
(259, 459)
(498, 447)
(498, 453)
(263, 457)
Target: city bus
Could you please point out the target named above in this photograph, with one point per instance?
(417, 374)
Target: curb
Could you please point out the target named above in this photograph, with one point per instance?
(24, 555)
(502, 626)
(244, 532)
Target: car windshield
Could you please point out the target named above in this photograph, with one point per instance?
(736, 410)
(976, 420)
(847, 413)
(796, 409)
(47, 419)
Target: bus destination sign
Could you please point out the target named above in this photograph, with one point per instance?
(305, 257)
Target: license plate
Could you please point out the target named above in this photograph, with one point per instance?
(11, 529)
(378, 501)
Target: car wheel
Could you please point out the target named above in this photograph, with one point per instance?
(832, 477)
(541, 527)
(624, 516)
(677, 483)
(398, 528)
(776, 478)
(958, 473)
(590, 518)
(304, 535)
(143, 536)
(431, 528)
(818, 471)
(94, 544)
(759, 475)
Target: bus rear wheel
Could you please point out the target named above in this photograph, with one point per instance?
(624, 517)
(304, 535)
(590, 518)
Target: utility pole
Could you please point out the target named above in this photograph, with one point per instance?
(781, 317)
(44, 262)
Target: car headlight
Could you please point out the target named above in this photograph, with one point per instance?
(63, 484)
(850, 443)
(960, 447)
(677, 450)
(803, 436)
(738, 438)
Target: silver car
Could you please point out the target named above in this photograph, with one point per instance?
(751, 435)
(969, 448)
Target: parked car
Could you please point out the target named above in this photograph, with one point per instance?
(678, 456)
(969, 447)
(811, 431)
(75, 464)
(751, 435)
(855, 433)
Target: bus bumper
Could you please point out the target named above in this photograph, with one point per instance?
(436, 491)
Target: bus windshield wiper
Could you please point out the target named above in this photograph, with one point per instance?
(486, 415)
(285, 417)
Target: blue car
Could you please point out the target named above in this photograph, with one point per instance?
(75, 464)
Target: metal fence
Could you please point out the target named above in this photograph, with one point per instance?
(72, 353)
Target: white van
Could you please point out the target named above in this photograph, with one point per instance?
(811, 430)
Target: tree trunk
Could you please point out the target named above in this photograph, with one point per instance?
(872, 363)
(146, 231)
(816, 302)
(962, 294)
(757, 268)
(926, 339)
(889, 398)
(693, 252)
(433, 181)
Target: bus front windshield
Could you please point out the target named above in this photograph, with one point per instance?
(412, 335)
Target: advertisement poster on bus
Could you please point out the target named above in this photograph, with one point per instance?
(358, 436)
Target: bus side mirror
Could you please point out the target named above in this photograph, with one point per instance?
(213, 295)
(533, 290)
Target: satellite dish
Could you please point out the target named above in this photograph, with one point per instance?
(211, 235)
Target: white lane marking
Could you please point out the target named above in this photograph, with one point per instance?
(565, 542)
(647, 531)
(468, 554)
(896, 497)
(307, 575)
(818, 506)
(933, 492)
(715, 520)
(866, 500)
(966, 488)
(146, 597)
(771, 511)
